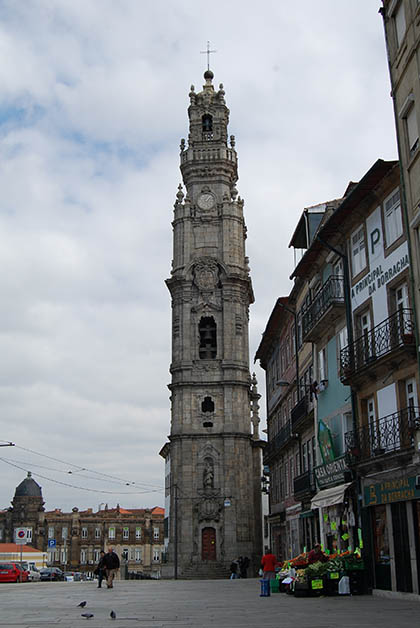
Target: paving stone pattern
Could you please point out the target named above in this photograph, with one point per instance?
(192, 604)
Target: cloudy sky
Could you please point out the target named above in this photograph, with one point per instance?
(93, 104)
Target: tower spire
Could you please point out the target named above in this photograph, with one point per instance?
(207, 52)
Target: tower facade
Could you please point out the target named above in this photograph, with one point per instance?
(214, 451)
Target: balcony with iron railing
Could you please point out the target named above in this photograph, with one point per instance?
(390, 434)
(326, 306)
(304, 485)
(278, 442)
(301, 412)
(379, 349)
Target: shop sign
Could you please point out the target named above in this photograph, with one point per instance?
(331, 473)
(317, 584)
(390, 491)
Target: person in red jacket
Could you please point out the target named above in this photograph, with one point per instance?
(268, 564)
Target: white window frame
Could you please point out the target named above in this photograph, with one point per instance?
(84, 533)
(64, 532)
(51, 532)
(400, 23)
(393, 217)
(83, 557)
(156, 533)
(63, 557)
(138, 555)
(111, 532)
(138, 532)
(96, 555)
(156, 555)
(358, 250)
(322, 364)
(126, 533)
(97, 533)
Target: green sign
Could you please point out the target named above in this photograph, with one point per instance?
(317, 584)
(325, 442)
(390, 491)
(334, 575)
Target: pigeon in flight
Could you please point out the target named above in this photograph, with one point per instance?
(87, 615)
(82, 604)
(113, 615)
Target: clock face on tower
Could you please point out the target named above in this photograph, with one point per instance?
(205, 201)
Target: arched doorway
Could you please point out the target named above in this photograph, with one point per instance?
(208, 544)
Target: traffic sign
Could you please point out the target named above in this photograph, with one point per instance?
(52, 543)
(21, 536)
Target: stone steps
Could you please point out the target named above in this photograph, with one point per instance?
(204, 571)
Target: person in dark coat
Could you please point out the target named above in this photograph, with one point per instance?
(112, 564)
(243, 566)
(234, 567)
(100, 569)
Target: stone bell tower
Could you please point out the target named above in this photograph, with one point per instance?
(214, 452)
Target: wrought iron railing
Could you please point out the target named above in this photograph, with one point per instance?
(279, 441)
(299, 412)
(304, 483)
(331, 292)
(388, 434)
(396, 331)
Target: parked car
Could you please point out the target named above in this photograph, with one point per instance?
(33, 574)
(72, 576)
(51, 573)
(12, 572)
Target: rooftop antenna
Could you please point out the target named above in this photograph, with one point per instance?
(207, 52)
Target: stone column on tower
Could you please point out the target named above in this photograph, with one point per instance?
(214, 455)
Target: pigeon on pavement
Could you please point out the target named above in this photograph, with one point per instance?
(113, 615)
(82, 604)
(87, 615)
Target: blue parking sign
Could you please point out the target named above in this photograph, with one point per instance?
(52, 543)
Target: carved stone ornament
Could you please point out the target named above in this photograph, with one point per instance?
(209, 507)
(206, 274)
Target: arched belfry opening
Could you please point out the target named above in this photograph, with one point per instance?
(208, 338)
(207, 405)
(207, 122)
(207, 126)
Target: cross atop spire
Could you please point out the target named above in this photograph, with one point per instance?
(207, 52)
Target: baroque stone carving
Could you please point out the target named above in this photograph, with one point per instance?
(206, 274)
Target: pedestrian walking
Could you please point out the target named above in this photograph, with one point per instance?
(112, 564)
(234, 568)
(100, 569)
(268, 564)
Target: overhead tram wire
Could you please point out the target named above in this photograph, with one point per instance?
(81, 488)
(80, 468)
(79, 475)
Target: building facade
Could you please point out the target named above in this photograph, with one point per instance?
(401, 20)
(213, 456)
(74, 540)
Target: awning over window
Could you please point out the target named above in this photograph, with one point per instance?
(329, 496)
(306, 514)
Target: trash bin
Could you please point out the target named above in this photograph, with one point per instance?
(265, 588)
(274, 585)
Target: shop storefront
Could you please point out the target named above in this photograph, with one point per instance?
(392, 521)
(335, 506)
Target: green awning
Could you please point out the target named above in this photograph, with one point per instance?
(305, 514)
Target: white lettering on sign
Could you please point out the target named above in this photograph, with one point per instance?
(382, 269)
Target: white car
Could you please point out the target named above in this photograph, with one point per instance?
(33, 574)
